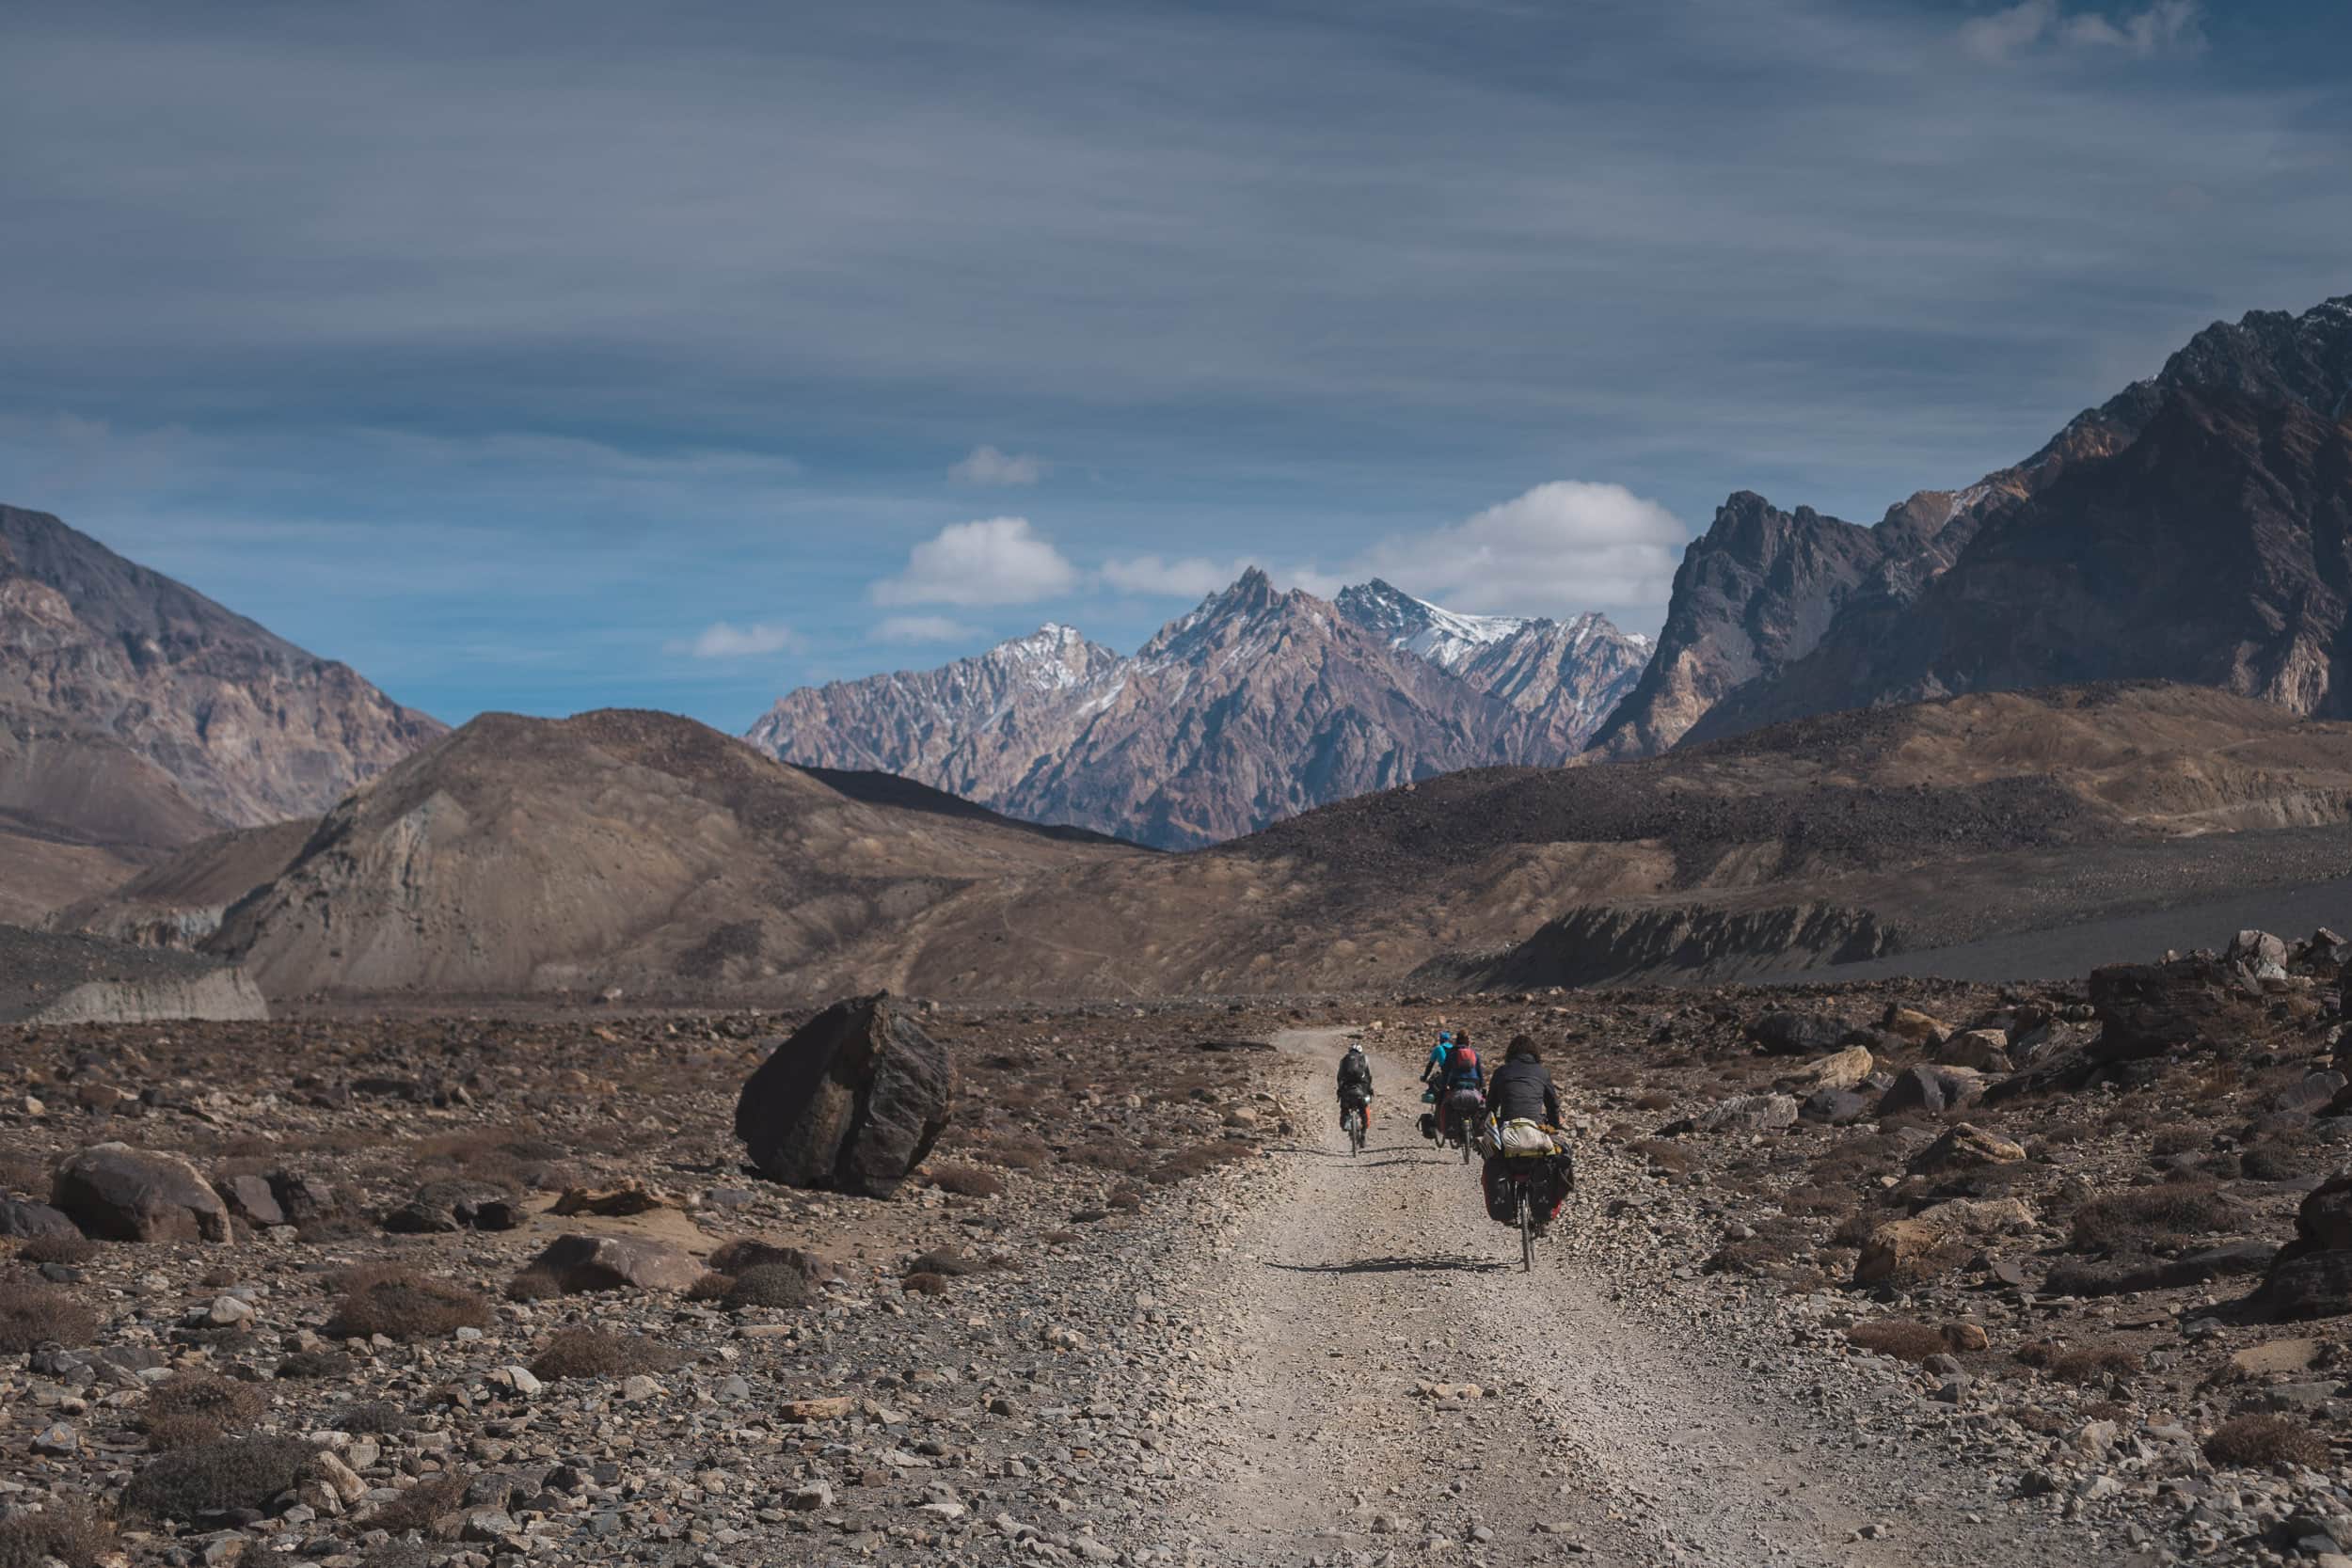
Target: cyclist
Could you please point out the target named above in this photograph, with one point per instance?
(1522, 1091)
(1463, 1089)
(1355, 1084)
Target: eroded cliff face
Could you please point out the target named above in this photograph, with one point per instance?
(1776, 615)
(250, 728)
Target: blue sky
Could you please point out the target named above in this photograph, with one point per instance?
(545, 357)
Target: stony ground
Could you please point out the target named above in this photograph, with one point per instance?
(1144, 1308)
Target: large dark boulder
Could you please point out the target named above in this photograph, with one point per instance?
(24, 1219)
(1791, 1033)
(119, 1193)
(453, 1204)
(1931, 1090)
(2149, 1009)
(853, 1100)
(2312, 1274)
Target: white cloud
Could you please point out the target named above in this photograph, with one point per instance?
(2164, 26)
(992, 561)
(724, 640)
(922, 628)
(1561, 547)
(987, 465)
(1195, 577)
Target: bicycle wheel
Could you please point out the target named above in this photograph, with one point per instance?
(1527, 1233)
(1466, 1143)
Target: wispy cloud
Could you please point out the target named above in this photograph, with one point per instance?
(2165, 27)
(993, 561)
(987, 465)
(725, 640)
(923, 628)
(1191, 578)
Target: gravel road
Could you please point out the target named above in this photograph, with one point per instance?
(1388, 1385)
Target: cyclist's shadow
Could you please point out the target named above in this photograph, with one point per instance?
(1440, 1264)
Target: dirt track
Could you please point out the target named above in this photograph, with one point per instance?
(1602, 1432)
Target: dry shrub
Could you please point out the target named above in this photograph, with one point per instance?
(237, 1472)
(1059, 1238)
(1196, 1160)
(780, 1285)
(305, 1365)
(2264, 1440)
(55, 1249)
(1022, 1155)
(35, 1315)
(401, 1304)
(2092, 1363)
(1665, 1156)
(2178, 1138)
(170, 1434)
(1125, 1196)
(1810, 1199)
(967, 1181)
(1656, 1099)
(1900, 1338)
(222, 1403)
(1118, 1158)
(372, 1418)
(416, 1508)
(65, 1531)
(2037, 1353)
(2140, 1219)
(924, 1284)
(599, 1352)
(222, 1278)
(2281, 1158)
(534, 1285)
(710, 1287)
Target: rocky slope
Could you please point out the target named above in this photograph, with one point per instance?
(2077, 563)
(648, 852)
(136, 714)
(615, 849)
(1254, 706)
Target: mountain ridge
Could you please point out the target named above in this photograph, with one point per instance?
(1751, 605)
(1184, 742)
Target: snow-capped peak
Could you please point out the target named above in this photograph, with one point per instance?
(1445, 638)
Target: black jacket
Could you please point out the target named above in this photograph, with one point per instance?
(1522, 1091)
(1354, 1072)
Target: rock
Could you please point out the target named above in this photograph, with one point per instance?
(1908, 1023)
(121, 1193)
(580, 1263)
(58, 1438)
(1935, 1240)
(2147, 1009)
(1749, 1113)
(2315, 1092)
(638, 1388)
(1837, 1107)
(454, 1204)
(2256, 948)
(340, 1477)
(251, 1197)
(301, 1197)
(1839, 1069)
(228, 1312)
(1787, 1034)
(25, 1219)
(2311, 1285)
(1984, 1050)
(854, 1100)
(2276, 1355)
(1965, 1147)
(831, 1407)
(628, 1198)
(1059, 1338)
(809, 1496)
(1931, 1090)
